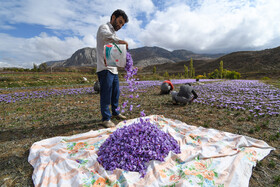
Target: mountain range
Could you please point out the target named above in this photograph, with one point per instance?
(248, 63)
(142, 57)
(251, 64)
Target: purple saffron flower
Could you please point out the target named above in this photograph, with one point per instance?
(131, 147)
(143, 113)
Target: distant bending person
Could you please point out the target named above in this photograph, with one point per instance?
(166, 87)
(185, 95)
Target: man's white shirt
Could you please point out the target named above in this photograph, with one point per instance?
(105, 34)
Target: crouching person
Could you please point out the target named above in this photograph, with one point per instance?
(166, 87)
(185, 95)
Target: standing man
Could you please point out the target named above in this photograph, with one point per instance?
(108, 75)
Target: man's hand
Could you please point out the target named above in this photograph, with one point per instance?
(124, 42)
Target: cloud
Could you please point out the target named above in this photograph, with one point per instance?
(51, 14)
(22, 52)
(81, 16)
(5, 64)
(214, 26)
(73, 24)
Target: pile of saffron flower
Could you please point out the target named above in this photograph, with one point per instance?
(131, 147)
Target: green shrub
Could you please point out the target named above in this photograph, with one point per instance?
(93, 71)
(251, 131)
(276, 180)
(271, 164)
(8, 79)
(226, 74)
(265, 78)
(232, 75)
(257, 128)
(166, 75)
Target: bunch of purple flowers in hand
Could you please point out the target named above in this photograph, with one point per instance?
(132, 146)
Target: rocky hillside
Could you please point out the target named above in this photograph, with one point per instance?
(146, 56)
(142, 57)
(58, 63)
(82, 57)
(248, 63)
(251, 61)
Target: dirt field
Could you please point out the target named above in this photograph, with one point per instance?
(27, 121)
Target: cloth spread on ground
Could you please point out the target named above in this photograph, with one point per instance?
(208, 157)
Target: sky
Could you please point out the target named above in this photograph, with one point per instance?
(36, 31)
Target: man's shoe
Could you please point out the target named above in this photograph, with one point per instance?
(108, 124)
(120, 116)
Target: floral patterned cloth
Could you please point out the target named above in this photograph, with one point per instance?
(208, 158)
